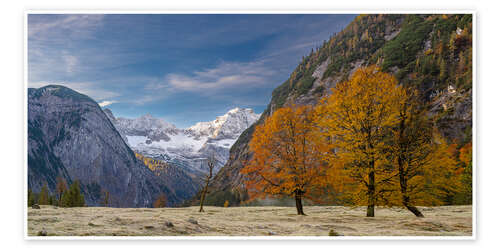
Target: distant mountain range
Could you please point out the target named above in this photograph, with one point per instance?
(190, 147)
(71, 137)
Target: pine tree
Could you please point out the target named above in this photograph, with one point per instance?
(73, 196)
(106, 201)
(31, 198)
(52, 200)
(44, 195)
(443, 70)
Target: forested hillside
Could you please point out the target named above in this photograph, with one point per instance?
(429, 53)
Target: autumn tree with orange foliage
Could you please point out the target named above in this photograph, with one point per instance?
(356, 119)
(286, 156)
(161, 201)
(383, 148)
(424, 163)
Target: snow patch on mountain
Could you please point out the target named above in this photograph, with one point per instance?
(228, 126)
(189, 147)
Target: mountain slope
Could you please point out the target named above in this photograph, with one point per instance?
(69, 135)
(431, 52)
(183, 184)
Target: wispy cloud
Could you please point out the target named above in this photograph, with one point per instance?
(226, 75)
(172, 65)
(147, 98)
(106, 103)
(46, 26)
(53, 47)
(71, 62)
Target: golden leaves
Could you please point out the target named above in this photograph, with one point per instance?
(369, 134)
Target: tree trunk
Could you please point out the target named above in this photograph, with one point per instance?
(414, 210)
(298, 202)
(406, 198)
(403, 183)
(202, 199)
(211, 162)
(370, 210)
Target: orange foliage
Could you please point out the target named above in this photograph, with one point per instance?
(286, 154)
(161, 201)
(369, 143)
(466, 154)
(152, 164)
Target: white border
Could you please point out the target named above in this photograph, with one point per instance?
(25, 125)
(236, 238)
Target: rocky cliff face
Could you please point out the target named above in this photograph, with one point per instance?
(187, 148)
(430, 52)
(69, 135)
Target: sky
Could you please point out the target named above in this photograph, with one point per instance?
(182, 68)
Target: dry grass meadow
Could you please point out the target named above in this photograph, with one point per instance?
(248, 221)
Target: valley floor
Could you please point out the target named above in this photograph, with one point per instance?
(248, 221)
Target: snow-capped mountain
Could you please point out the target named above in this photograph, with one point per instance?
(189, 147)
(228, 126)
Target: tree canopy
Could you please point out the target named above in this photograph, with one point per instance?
(286, 155)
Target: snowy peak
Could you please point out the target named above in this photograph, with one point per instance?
(146, 126)
(189, 147)
(229, 125)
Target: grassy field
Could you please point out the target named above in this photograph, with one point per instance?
(248, 221)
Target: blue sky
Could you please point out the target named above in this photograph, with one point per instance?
(182, 68)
